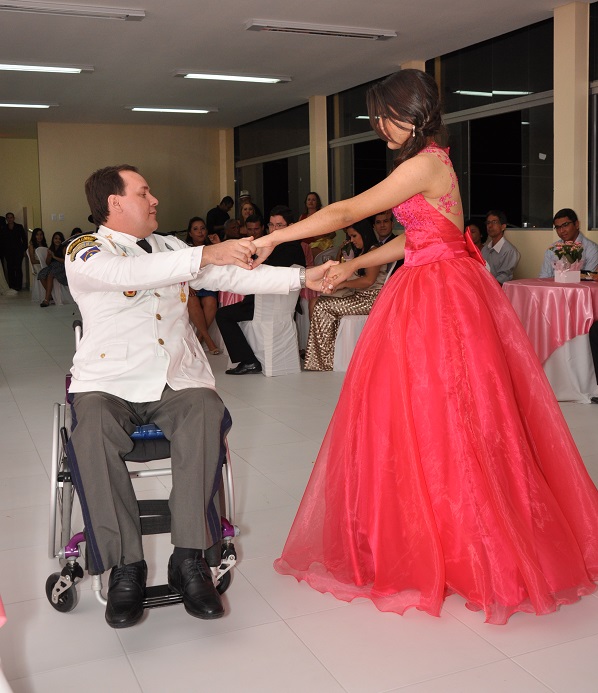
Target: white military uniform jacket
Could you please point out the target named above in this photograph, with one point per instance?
(136, 332)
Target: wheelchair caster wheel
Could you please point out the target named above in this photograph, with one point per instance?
(224, 583)
(66, 600)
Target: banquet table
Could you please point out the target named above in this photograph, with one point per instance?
(557, 318)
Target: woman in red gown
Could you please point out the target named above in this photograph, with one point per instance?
(447, 466)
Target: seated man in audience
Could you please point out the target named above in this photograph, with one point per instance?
(502, 257)
(139, 362)
(255, 226)
(232, 230)
(383, 223)
(566, 224)
(229, 317)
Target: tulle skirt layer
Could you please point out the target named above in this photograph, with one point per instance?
(447, 466)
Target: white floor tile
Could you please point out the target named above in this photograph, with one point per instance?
(114, 674)
(572, 666)
(349, 640)
(264, 659)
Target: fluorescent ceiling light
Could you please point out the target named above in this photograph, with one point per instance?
(27, 105)
(362, 117)
(494, 92)
(159, 109)
(511, 93)
(69, 10)
(231, 78)
(46, 68)
(318, 29)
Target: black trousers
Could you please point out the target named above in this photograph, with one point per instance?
(228, 319)
(14, 270)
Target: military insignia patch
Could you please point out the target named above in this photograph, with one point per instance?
(80, 243)
(89, 253)
(130, 294)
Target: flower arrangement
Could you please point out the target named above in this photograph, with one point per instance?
(571, 251)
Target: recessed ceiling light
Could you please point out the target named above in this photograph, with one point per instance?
(159, 109)
(46, 68)
(231, 78)
(69, 10)
(319, 29)
(28, 105)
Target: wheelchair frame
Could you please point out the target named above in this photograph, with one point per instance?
(62, 544)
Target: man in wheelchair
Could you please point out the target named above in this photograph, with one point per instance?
(140, 362)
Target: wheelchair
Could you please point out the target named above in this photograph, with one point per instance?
(149, 444)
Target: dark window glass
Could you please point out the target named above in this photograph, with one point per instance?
(594, 41)
(499, 69)
(276, 133)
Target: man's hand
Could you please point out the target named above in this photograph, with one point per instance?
(233, 252)
(316, 278)
(214, 238)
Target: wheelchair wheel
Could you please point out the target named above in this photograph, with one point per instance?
(224, 583)
(67, 601)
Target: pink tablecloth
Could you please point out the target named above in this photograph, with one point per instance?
(226, 298)
(552, 313)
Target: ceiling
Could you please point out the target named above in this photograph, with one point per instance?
(135, 61)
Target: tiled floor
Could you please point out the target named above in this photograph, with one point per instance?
(277, 635)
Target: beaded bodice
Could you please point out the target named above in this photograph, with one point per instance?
(426, 224)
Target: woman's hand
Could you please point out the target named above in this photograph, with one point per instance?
(315, 277)
(214, 238)
(266, 244)
(338, 275)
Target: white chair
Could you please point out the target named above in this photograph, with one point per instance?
(349, 329)
(60, 294)
(272, 333)
(35, 286)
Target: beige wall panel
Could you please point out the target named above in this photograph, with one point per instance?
(19, 180)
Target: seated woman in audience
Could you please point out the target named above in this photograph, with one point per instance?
(202, 303)
(478, 232)
(55, 269)
(313, 203)
(38, 240)
(352, 297)
(247, 209)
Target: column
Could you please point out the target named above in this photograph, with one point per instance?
(318, 147)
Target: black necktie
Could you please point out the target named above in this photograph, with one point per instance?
(143, 243)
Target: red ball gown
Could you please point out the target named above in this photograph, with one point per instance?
(447, 466)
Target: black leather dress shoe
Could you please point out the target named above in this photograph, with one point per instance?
(126, 592)
(192, 579)
(245, 368)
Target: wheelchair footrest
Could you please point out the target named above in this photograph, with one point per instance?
(160, 595)
(154, 516)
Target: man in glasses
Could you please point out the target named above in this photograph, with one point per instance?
(229, 317)
(566, 224)
(502, 257)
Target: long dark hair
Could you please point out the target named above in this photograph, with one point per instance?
(57, 250)
(409, 96)
(318, 201)
(34, 243)
(188, 239)
(365, 230)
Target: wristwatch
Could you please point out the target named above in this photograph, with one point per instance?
(302, 277)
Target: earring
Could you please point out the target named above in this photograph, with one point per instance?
(413, 131)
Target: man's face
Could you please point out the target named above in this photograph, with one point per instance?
(10, 218)
(277, 222)
(566, 229)
(383, 225)
(135, 211)
(227, 206)
(494, 228)
(254, 228)
(233, 230)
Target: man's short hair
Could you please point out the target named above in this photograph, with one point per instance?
(230, 222)
(502, 217)
(566, 212)
(227, 200)
(100, 185)
(254, 218)
(283, 211)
